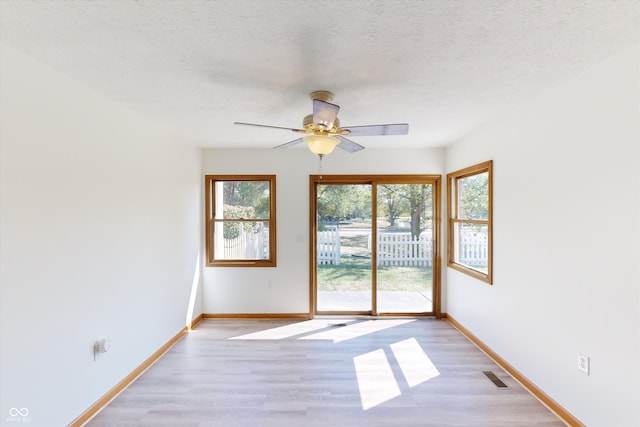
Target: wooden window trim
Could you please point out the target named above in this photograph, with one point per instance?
(209, 220)
(452, 214)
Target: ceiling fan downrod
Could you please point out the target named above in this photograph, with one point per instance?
(321, 95)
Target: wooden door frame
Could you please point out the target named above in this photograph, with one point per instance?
(373, 180)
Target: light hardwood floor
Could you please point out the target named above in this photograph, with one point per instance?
(324, 372)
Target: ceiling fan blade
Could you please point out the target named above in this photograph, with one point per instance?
(371, 130)
(290, 143)
(267, 126)
(324, 113)
(348, 145)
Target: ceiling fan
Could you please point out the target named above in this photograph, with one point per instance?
(323, 132)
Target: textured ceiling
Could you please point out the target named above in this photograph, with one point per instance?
(444, 67)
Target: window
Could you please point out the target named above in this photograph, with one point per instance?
(469, 229)
(241, 220)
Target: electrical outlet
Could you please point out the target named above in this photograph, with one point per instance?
(583, 363)
(100, 347)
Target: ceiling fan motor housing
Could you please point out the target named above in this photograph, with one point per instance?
(307, 124)
(321, 95)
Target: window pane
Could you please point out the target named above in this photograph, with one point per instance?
(241, 240)
(410, 205)
(242, 199)
(472, 247)
(241, 220)
(473, 196)
(470, 221)
(405, 257)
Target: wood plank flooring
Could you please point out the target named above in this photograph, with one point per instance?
(324, 372)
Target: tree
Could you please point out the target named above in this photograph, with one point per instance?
(339, 201)
(244, 200)
(412, 200)
(389, 197)
(415, 195)
(473, 196)
(248, 194)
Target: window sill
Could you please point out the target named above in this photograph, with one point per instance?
(487, 278)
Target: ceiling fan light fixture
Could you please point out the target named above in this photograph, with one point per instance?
(321, 144)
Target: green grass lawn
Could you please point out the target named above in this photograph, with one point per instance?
(354, 271)
(354, 274)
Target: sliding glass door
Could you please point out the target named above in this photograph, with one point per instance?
(374, 244)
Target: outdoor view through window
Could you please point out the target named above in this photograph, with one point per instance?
(470, 243)
(240, 220)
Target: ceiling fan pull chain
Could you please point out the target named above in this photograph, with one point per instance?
(320, 156)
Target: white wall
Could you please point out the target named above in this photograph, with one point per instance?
(100, 225)
(285, 288)
(566, 240)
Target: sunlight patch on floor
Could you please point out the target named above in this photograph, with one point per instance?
(376, 381)
(414, 362)
(356, 330)
(286, 331)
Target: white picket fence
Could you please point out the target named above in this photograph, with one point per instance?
(394, 249)
(328, 251)
(248, 245)
(473, 250)
(402, 249)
